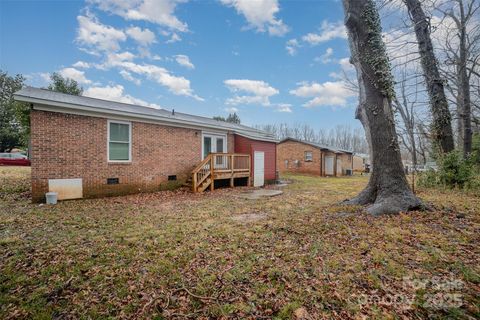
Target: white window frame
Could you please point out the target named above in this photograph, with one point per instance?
(305, 156)
(215, 135)
(129, 141)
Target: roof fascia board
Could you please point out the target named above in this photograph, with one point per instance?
(139, 115)
(315, 146)
(255, 138)
(93, 111)
(59, 107)
(124, 117)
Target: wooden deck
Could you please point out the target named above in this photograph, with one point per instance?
(217, 166)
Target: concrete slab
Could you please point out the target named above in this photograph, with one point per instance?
(260, 193)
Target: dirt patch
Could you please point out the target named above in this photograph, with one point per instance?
(260, 193)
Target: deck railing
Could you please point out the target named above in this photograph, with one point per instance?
(223, 165)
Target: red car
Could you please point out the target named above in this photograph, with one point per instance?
(13, 159)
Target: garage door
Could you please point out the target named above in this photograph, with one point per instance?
(329, 166)
(258, 168)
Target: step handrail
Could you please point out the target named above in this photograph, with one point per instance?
(201, 164)
(207, 167)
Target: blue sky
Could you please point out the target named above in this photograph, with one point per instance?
(270, 61)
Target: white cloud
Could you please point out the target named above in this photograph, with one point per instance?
(38, 79)
(90, 52)
(176, 85)
(124, 61)
(292, 45)
(329, 93)
(81, 64)
(347, 70)
(401, 47)
(260, 15)
(115, 93)
(128, 76)
(259, 92)
(328, 31)
(145, 37)
(161, 12)
(45, 76)
(174, 37)
(284, 107)
(98, 36)
(345, 64)
(74, 74)
(326, 57)
(184, 61)
(115, 59)
(231, 110)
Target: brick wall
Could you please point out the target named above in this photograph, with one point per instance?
(292, 151)
(346, 161)
(358, 164)
(73, 146)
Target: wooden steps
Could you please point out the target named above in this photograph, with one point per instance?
(205, 184)
(219, 166)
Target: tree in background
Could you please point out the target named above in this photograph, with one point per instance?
(232, 118)
(460, 49)
(341, 136)
(387, 190)
(15, 115)
(442, 120)
(64, 85)
(13, 126)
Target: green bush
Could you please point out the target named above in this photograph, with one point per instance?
(453, 172)
(476, 148)
(428, 179)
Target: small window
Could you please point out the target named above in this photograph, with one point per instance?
(308, 156)
(119, 141)
(112, 181)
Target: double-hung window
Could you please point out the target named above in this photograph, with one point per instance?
(119, 141)
(308, 156)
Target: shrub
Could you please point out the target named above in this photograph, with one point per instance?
(428, 179)
(476, 148)
(453, 172)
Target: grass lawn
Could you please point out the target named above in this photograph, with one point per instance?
(174, 254)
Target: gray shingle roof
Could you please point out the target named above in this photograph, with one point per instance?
(66, 102)
(318, 145)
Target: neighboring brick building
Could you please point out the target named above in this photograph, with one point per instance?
(107, 148)
(306, 157)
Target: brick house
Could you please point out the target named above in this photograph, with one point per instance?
(84, 147)
(307, 157)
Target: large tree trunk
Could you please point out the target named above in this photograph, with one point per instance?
(387, 190)
(464, 86)
(442, 122)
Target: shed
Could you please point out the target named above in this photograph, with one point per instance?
(300, 156)
(263, 156)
